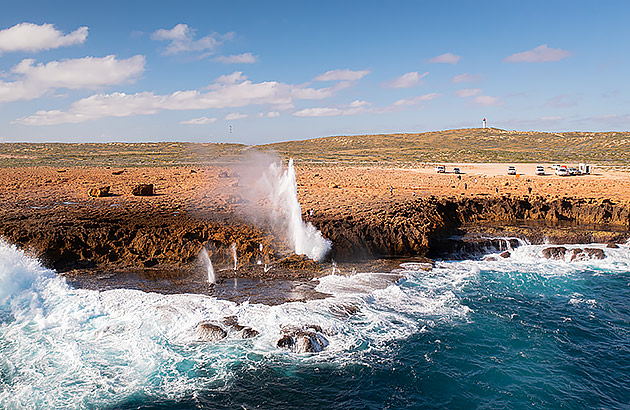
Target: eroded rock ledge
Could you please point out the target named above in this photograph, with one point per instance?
(76, 237)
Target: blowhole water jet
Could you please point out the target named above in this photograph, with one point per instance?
(279, 187)
(234, 256)
(207, 263)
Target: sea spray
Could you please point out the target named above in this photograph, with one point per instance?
(207, 263)
(234, 256)
(279, 187)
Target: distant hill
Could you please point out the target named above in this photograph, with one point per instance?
(461, 145)
(464, 145)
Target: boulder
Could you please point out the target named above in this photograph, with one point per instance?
(142, 190)
(99, 192)
(308, 339)
(594, 253)
(210, 332)
(612, 245)
(505, 254)
(554, 252)
(248, 333)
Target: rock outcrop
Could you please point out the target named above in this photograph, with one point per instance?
(305, 339)
(148, 235)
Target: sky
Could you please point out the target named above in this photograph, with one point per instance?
(257, 72)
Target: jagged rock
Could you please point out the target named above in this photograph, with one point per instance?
(612, 245)
(142, 190)
(248, 333)
(210, 332)
(505, 254)
(554, 252)
(308, 339)
(99, 192)
(344, 310)
(286, 342)
(595, 253)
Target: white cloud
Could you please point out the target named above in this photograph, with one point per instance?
(271, 114)
(35, 80)
(415, 100)
(359, 103)
(234, 78)
(540, 54)
(406, 80)
(467, 92)
(199, 121)
(31, 37)
(465, 78)
(362, 107)
(342, 75)
(228, 92)
(551, 119)
(182, 39)
(235, 116)
(447, 58)
(486, 100)
(245, 58)
(319, 112)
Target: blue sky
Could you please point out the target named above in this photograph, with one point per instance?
(276, 71)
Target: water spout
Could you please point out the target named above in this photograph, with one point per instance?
(205, 259)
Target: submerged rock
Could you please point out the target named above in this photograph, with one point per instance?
(575, 254)
(210, 332)
(308, 339)
(554, 252)
(248, 333)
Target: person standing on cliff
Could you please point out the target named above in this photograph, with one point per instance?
(529, 189)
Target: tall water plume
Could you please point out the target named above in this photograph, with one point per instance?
(274, 191)
(207, 263)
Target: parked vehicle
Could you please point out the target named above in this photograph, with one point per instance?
(456, 170)
(440, 169)
(555, 167)
(562, 172)
(574, 171)
(540, 170)
(511, 170)
(584, 168)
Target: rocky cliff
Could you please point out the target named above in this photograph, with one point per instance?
(68, 238)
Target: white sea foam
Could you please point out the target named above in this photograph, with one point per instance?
(70, 348)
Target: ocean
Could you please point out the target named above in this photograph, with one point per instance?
(516, 332)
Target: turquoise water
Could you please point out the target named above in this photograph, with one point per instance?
(522, 332)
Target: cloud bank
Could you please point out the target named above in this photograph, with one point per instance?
(32, 38)
(35, 80)
(229, 91)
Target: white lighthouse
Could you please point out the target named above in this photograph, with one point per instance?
(484, 123)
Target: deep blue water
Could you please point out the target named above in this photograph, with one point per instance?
(523, 332)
